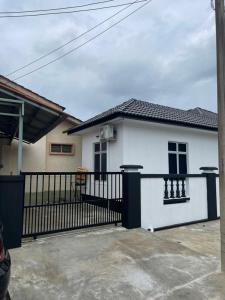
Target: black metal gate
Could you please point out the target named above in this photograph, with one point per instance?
(55, 202)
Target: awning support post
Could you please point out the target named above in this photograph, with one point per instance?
(20, 141)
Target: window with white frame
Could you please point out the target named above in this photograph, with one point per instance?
(63, 149)
(100, 159)
(177, 154)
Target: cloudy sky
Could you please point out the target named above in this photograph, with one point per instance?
(165, 53)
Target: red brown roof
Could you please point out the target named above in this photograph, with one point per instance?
(20, 90)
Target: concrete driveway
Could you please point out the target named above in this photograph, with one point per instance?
(113, 263)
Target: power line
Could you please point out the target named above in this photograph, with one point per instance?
(83, 44)
(53, 9)
(69, 42)
(69, 12)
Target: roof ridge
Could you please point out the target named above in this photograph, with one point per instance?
(201, 112)
(161, 105)
(206, 110)
(198, 107)
(184, 111)
(129, 103)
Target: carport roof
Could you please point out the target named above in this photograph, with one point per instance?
(40, 114)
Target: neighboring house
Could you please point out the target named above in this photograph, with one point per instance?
(54, 152)
(32, 134)
(161, 139)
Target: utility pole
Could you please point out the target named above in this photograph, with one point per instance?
(220, 42)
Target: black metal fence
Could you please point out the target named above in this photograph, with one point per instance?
(62, 201)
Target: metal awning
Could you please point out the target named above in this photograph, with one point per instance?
(37, 121)
(25, 115)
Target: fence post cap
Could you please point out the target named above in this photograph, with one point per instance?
(131, 168)
(208, 169)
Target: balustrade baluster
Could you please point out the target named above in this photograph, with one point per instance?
(183, 193)
(166, 192)
(178, 189)
(171, 189)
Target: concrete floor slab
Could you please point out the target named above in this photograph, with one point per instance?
(114, 263)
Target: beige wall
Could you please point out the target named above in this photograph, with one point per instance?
(36, 157)
(33, 157)
(60, 162)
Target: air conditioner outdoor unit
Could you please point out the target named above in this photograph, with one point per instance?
(107, 132)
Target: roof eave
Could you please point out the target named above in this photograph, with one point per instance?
(169, 122)
(95, 122)
(136, 117)
(58, 120)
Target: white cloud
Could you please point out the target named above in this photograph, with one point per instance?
(165, 53)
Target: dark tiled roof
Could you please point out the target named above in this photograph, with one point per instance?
(203, 112)
(137, 109)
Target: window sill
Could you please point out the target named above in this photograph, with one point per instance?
(175, 200)
(62, 154)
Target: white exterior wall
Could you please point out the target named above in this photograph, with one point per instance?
(114, 160)
(147, 144)
(114, 149)
(155, 214)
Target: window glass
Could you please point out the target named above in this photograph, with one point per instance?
(97, 166)
(104, 146)
(100, 159)
(97, 147)
(67, 148)
(172, 163)
(103, 162)
(182, 147)
(177, 158)
(103, 165)
(172, 146)
(56, 148)
(97, 162)
(61, 148)
(182, 163)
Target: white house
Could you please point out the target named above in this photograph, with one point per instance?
(161, 139)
